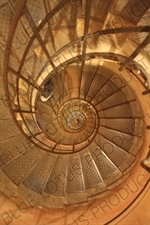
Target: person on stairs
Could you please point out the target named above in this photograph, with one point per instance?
(47, 91)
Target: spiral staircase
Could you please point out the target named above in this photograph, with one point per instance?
(89, 137)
